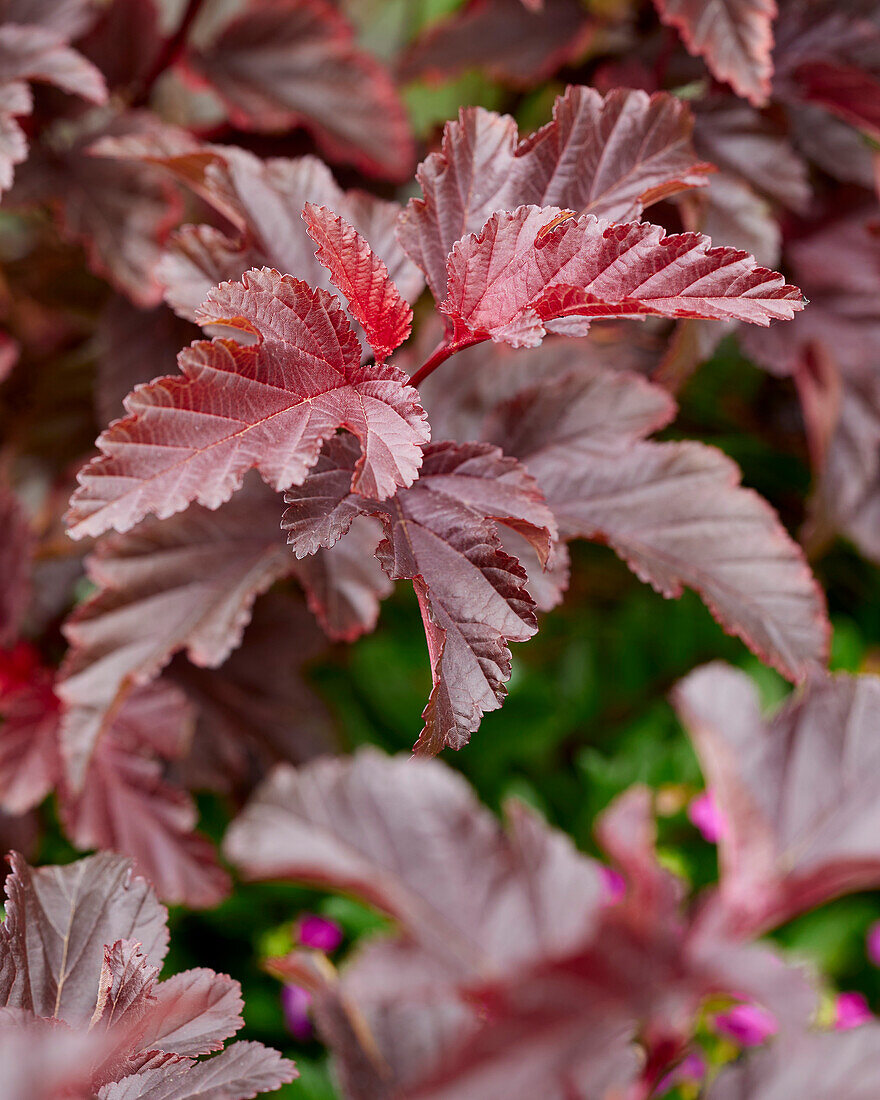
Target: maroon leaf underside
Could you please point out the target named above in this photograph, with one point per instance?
(675, 512)
(186, 583)
(127, 806)
(797, 792)
(515, 43)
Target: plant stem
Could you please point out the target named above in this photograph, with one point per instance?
(170, 52)
(440, 354)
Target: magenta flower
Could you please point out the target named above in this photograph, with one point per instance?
(613, 885)
(704, 813)
(872, 943)
(318, 932)
(690, 1071)
(295, 1002)
(850, 1010)
(748, 1024)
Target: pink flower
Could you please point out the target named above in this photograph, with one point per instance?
(690, 1071)
(872, 943)
(704, 813)
(748, 1024)
(850, 1010)
(613, 884)
(318, 932)
(295, 1002)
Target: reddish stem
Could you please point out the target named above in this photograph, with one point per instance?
(170, 52)
(440, 354)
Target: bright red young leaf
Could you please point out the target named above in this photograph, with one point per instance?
(187, 583)
(517, 43)
(358, 273)
(797, 792)
(675, 512)
(296, 379)
(526, 273)
(441, 535)
(734, 38)
(126, 806)
(608, 156)
(80, 952)
(283, 63)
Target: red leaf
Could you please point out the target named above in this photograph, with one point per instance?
(282, 63)
(344, 584)
(297, 381)
(358, 273)
(242, 1070)
(58, 921)
(849, 92)
(520, 43)
(796, 792)
(329, 822)
(259, 707)
(124, 988)
(440, 534)
(125, 805)
(734, 38)
(30, 764)
(513, 277)
(608, 156)
(188, 583)
(673, 511)
(193, 1013)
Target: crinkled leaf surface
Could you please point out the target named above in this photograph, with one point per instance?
(675, 512)
(58, 921)
(126, 805)
(358, 273)
(608, 156)
(526, 271)
(269, 404)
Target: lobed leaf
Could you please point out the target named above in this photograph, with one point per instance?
(734, 38)
(268, 403)
(441, 535)
(608, 156)
(526, 271)
(796, 792)
(358, 273)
